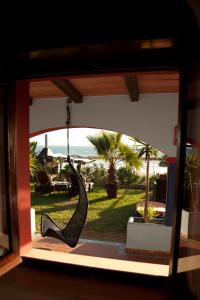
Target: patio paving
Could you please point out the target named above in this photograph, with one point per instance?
(96, 248)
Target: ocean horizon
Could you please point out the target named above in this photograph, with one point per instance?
(83, 151)
(89, 151)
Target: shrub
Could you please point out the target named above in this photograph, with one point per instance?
(63, 174)
(141, 180)
(153, 179)
(52, 167)
(152, 212)
(96, 173)
(127, 177)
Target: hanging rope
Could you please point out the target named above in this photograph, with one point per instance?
(68, 124)
(72, 231)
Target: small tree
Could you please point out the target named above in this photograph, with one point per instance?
(148, 152)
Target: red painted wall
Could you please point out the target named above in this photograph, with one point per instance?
(22, 158)
(171, 160)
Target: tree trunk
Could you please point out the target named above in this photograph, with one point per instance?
(146, 219)
(111, 185)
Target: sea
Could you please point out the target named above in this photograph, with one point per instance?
(90, 152)
(83, 151)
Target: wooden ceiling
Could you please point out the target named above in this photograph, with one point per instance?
(99, 85)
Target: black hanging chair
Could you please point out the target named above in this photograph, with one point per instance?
(72, 231)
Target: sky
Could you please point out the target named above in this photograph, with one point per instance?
(77, 137)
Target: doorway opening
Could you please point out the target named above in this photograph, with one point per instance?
(130, 103)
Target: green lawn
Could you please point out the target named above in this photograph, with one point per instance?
(107, 218)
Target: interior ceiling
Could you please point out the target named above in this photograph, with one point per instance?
(99, 85)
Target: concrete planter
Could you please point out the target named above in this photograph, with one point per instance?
(190, 224)
(154, 220)
(148, 236)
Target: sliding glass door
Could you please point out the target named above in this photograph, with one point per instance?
(4, 209)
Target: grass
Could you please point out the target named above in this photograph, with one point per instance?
(107, 218)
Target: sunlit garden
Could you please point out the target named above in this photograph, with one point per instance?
(106, 219)
(116, 187)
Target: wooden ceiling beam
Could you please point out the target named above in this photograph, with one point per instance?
(132, 86)
(69, 90)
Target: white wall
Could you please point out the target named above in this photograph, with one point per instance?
(152, 119)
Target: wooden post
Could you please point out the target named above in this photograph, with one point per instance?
(22, 158)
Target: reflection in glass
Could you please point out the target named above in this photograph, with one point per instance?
(192, 180)
(4, 241)
(190, 223)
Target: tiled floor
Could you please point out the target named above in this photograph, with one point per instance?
(26, 282)
(115, 250)
(189, 247)
(97, 248)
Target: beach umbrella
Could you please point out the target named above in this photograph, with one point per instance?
(82, 161)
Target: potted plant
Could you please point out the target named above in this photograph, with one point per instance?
(147, 152)
(190, 222)
(148, 235)
(154, 215)
(152, 236)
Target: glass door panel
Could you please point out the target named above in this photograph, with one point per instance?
(4, 236)
(189, 250)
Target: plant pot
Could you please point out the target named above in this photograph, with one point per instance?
(111, 190)
(190, 224)
(148, 236)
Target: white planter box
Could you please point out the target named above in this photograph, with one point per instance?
(184, 223)
(190, 224)
(148, 236)
(32, 221)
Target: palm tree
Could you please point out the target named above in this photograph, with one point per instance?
(110, 148)
(34, 165)
(148, 152)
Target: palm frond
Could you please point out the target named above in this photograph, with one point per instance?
(141, 152)
(34, 165)
(33, 146)
(101, 144)
(129, 156)
(134, 139)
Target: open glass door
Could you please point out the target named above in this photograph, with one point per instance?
(4, 235)
(188, 266)
(8, 230)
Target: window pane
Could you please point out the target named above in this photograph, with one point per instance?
(190, 223)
